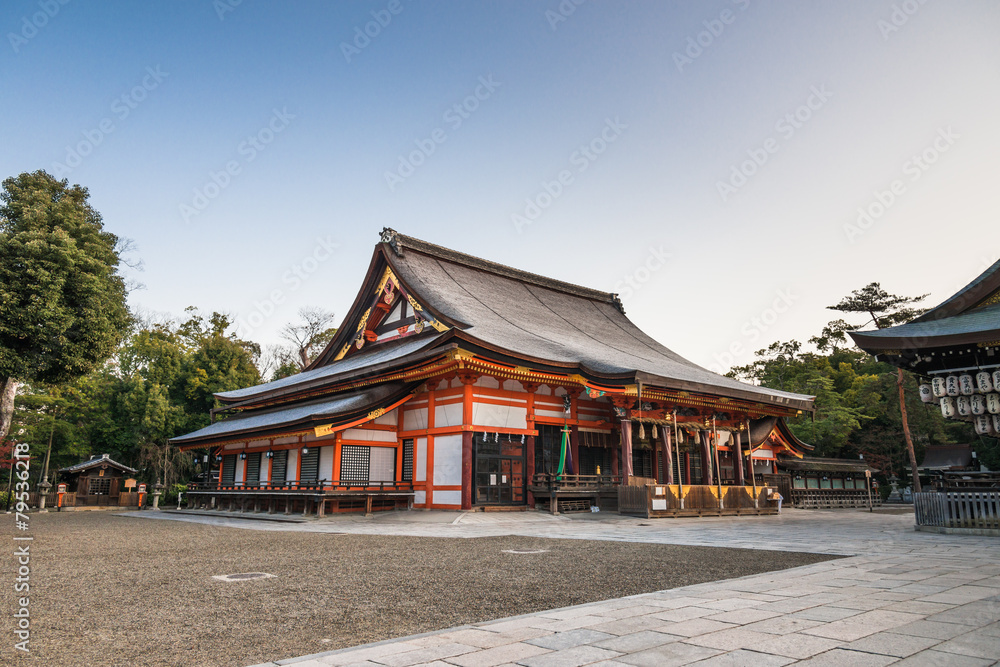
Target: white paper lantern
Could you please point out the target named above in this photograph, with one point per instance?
(978, 404)
(948, 407)
(983, 425)
(964, 406)
(996, 380)
(951, 382)
(996, 422)
(966, 384)
(984, 382)
(993, 404)
(939, 386)
(926, 393)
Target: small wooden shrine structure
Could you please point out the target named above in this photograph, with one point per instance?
(97, 482)
(455, 382)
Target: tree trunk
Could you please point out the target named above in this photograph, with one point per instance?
(906, 431)
(8, 388)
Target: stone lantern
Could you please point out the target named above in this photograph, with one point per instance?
(44, 487)
(157, 490)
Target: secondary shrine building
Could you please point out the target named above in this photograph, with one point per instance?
(456, 382)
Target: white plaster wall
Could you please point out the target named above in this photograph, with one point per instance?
(447, 460)
(389, 418)
(369, 435)
(326, 463)
(487, 381)
(551, 413)
(293, 464)
(419, 497)
(420, 460)
(447, 415)
(265, 465)
(512, 385)
(446, 497)
(240, 470)
(414, 420)
(504, 416)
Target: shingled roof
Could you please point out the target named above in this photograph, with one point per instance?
(513, 315)
(968, 317)
(553, 323)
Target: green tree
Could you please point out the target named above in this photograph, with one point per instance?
(62, 298)
(887, 310)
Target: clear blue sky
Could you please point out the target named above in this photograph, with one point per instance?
(642, 109)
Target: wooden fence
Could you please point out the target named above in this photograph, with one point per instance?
(663, 500)
(964, 509)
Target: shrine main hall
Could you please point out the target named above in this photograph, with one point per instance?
(455, 382)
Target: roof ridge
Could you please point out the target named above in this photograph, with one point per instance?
(398, 242)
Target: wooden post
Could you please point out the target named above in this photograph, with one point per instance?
(718, 470)
(680, 475)
(706, 459)
(467, 379)
(368, 505)
(626, 446)
(667, 456)
(738, 459)
(529, 441)
(753, 476)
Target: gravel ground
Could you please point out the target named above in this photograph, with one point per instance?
(112, 590)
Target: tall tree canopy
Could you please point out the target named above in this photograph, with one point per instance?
(62, 298)
(885, 311)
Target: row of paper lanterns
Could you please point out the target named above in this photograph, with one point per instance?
(960, 385)
(964, 396)
(963, 406)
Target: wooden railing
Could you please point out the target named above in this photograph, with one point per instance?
(295, 486)
(554, 482)
(968, 509)
(832, 498)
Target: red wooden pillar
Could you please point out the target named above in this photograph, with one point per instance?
(738, 457)
(467, 379)
(706, 460)
(667, 456)
(626, 451)
(529, 441)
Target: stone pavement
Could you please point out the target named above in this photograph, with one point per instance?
(903, 598)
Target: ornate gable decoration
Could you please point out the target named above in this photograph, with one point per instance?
(392, 313)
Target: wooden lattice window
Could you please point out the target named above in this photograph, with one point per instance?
(310, 465)
(279, 465)
(253, 469)
(228, 469)
(408, 460)
(99, 486)
(354, 463)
